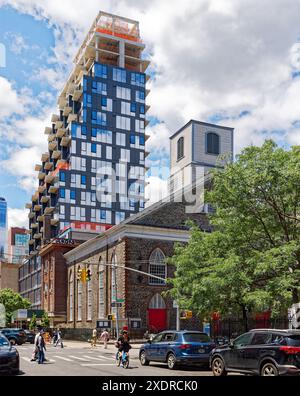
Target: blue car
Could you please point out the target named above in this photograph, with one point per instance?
(177, 348)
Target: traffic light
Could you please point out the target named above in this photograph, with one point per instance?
(111, 317)
(88, 275)
(83, 275)
(79, 274)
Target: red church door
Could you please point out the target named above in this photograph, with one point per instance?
(157, 314)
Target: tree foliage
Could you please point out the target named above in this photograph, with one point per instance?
(12, 301)
(32, 323)
(45, 322)
(252, 259)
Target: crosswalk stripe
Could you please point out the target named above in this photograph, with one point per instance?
(104, 357)
(63, 358)
(79, 358)
(27, 359)
(92, 357)
(96, 364)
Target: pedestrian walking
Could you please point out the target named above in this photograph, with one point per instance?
(105, 337)
(41, 347)
(94, 338)
(59, 338)
(35, 352)
(54, 338)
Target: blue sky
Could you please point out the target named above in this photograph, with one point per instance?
(211, 60)
(37, 40)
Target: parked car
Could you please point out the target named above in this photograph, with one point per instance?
(177, 348)
(15, 336)
(9, 356)
(30, 336)
(265, 352)
(220, 340)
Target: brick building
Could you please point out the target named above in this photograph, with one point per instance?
(54, 278)
(142, 243)
(9, 276)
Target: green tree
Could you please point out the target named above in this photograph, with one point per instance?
(32, 323)
(252, 259)
(12, 301)
(45, 322)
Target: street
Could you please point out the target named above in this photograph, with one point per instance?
(79, 359)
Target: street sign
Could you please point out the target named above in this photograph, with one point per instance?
(116, 304)
(120, 300)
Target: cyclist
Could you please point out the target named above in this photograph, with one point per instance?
(124, 346)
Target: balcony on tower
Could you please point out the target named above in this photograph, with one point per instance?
(65, 141)
(77, 93)
(52, 145)
(41, 175)
(45, 157)
(72, 117)
(42, 188)
(61, 132)
(53, 189)
(49, 178)
(54, 118)
(48, 165)
(45, 199)
(56, 154)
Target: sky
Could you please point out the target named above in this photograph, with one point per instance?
(231, 62)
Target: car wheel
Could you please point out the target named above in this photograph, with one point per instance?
(144, 361)
(171, 360)
(218, 367)
(12, 341)
(269, 370)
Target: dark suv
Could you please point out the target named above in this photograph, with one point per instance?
(15, 336)
(265, 352)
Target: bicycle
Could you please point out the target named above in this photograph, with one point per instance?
(122, 358)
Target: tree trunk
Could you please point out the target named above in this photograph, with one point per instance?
(245, 318)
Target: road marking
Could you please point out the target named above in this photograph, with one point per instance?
(92, 357)
(27, 359)
(63, 358)
(104, 357)
(79, 358)
(96, 364)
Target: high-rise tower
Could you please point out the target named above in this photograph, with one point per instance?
(92, 175)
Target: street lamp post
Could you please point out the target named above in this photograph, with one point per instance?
(116, 291)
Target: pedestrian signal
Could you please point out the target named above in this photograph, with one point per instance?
(111, 317)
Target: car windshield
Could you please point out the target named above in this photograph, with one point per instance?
(196, 337)
(293, 341)
(3, 341)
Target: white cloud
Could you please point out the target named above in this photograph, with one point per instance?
(209, 56)
(156, 189)
(9, 101)
(17, 217)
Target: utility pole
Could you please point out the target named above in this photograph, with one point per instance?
(177, 318)
(116, 291)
